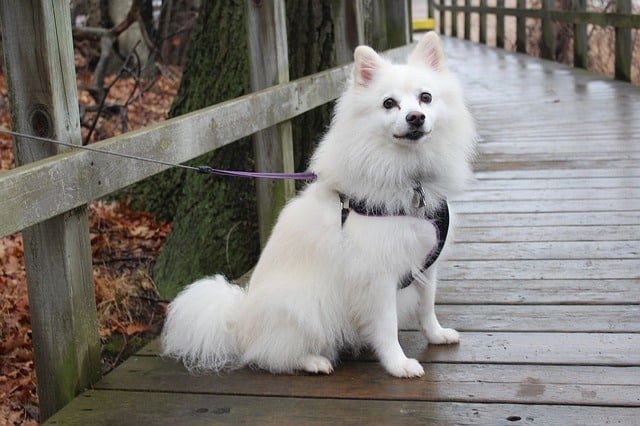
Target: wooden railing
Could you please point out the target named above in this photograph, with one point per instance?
(46, 197)
(622, 20)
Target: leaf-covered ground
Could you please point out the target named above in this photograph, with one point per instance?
(124, 243)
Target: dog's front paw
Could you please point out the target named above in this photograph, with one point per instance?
(404, 368)
(316, 364)
(442, 336)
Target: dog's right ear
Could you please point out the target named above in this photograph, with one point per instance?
(367, 63)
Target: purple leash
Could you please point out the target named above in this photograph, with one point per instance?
(310, 176)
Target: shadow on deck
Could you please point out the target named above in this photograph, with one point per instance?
(543, 283)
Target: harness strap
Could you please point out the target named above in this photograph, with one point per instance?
(360, 207)
(440, 218)
(441, 221)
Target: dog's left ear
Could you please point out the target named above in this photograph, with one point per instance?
(429, 53)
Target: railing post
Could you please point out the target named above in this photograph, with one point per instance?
(521, 28)
(443, 17)
(623, 44)
(42, 83)
(362, 14)
(375, 28)
(467, 20)
(580, 43)
(372, 22)
(268, 52)
(483, 22)
(548, 45)
(500, 24)
(454, 19)
(398, 16)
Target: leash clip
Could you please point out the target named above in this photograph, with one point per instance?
(418, 197)
(344, 208)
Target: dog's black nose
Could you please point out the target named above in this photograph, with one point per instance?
(415, 118)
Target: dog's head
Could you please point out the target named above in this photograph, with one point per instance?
(402, 100)
(399, 123)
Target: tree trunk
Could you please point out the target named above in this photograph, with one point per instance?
(310, 33)
(214, 219)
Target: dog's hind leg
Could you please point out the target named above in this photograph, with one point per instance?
(315, 364)
(283, 341)
(431, 328)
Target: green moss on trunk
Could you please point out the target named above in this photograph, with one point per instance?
(215, 226)
(311, 43)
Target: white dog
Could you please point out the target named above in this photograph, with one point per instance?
(400, 142)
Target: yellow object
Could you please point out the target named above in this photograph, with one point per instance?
(425, 24)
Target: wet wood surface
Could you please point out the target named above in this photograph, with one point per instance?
(543, 282)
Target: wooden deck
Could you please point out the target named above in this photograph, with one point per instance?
(544, 283)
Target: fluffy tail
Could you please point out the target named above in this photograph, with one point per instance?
(199, 326)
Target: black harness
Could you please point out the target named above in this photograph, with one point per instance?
(439, 217)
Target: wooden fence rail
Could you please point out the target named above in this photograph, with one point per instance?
(38, 191)
(622, 20)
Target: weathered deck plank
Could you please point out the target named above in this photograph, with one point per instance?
(528, 250)
(551, 234)
(542, 269)
(552, 318)
(543, 282)
(560, 174)
(100, 407)
(504, 220)
(491, 383)
(539, 292)
(544, 205)
(549, 194)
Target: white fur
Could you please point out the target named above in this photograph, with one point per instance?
(320, 286)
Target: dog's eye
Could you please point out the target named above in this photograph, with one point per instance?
(425, 97)
(389, 103)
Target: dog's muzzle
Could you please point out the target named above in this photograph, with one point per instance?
(415, 121)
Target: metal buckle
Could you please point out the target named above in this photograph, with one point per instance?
(418, 197)
(344, 208)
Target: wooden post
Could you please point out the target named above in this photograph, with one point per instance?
(398, 17)
(372, 23)
(42, 84)
(361, 18)
(548, 45)
(467, 20)
(483, 22)
(269, 54)
(580, 42)
(443, 17)
(454, 19)
(623, 44)
(431, 12)
(500, 24)
(521, 28)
